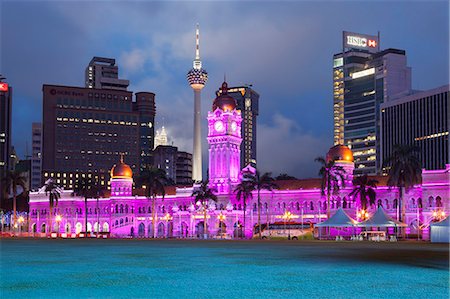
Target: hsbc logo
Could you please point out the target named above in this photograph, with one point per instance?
(3, 86)
(361, 42)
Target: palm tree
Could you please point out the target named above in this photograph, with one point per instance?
(11, 181)
(405, 171)
(54, 193)
(85, 187)
(202, 195)
(257, 182)
(364, 187)
(244, 191)
(154, 180)
(332, 176)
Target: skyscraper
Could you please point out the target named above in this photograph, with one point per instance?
(247, 100)
(86, 129)
(36, 158)
(363, 78)
(103, 73)
(421, 119)
(197, 78)
(5, 130)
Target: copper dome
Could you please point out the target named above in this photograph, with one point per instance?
(121, 171)
(340, 153)
(225, 102)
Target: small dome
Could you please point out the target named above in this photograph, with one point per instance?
(224, 101)
(121, 171)
(340, 153)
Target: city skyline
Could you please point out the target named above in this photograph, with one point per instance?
(288, 60)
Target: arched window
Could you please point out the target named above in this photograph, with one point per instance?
(221, 206)
(126, 219)
(239, 207)
(185, 207)
(438, 202)
(379, 203)
(344, 203)
(149, 210)
(324, 205)
(121, 221)
(284, 206)
(430, 202)
(117, 222)
(298, 206)
(234, 207)
(126, 208)
(412, 203)
(163, 209)
(254, 207)
(395, 203)
(266, 206)
(139, 210)
(121, 208)
(419, 202)
(311, 206)
(332, 204)
(387, 203)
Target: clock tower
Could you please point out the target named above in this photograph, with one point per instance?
(224, 140)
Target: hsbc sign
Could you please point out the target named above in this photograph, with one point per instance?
(361, 41)
(3, 86)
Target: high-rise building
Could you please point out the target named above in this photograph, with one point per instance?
(5, 131)
(363, 78)
(248, 103)
(422, 120)
(146, 109)
(161, 137)
(85, 130)
(184, 169)
(36, 158)
(197, 78)
(176, 164)
(103, 73)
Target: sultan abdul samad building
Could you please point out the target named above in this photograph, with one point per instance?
(126, 213)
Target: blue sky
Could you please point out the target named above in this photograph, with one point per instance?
(283, 48)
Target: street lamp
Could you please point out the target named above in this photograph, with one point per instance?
(167, 218)
(221, 218)
(287, 217)
(438, 215)
(58, 219)
(21, 220)
(363, 215)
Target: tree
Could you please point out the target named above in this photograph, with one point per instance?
(243, 192)
(284, 177)
(154, 180)
(11, 181)
(202, 194)
(332, 176)
(364, 188)
(53, 191)
(257, 182)
(405, 171)
(86, 188)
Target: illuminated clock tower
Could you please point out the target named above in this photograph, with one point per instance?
(224, 139)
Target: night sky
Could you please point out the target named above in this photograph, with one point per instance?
(284, 49)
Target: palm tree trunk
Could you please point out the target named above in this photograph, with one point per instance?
(50, 229)
(328, 205)
(14, 209)
(153, 216)
(85, 217)
(98, 219)
(245, 208)
(205, 233)
(259, 214)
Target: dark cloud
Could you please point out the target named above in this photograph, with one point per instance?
(283, 48)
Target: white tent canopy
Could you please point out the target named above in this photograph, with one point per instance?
(381, 219)
(440, 231)
(339, 219)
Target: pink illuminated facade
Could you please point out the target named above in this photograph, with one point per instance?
(126, 214)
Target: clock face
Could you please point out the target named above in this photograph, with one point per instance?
(248, 102)
(218, 125)
(234, 126)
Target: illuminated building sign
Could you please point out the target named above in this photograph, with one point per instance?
(364, 73)
(361, 41)
(3, 86)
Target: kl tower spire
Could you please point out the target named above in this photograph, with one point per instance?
(197, 78)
